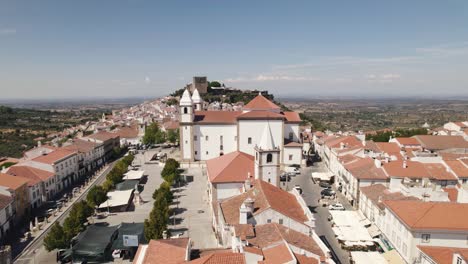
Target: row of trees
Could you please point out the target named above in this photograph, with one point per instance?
(59, 236)
(155, 135)
(384, 136)
(158, 219)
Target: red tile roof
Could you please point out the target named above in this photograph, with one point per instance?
(221, 258)
(452, 194)
(443, 255)
(301, 259)
(378, 193)
(390, 148)
(430, 215)
(458, 167)
(103, 135)
(278, 254)
(127, 132)
(260, 115)
(438, 171)
(441, 142)
(12, 182)
(232, 167)
(54, 156)
(408, 141)
(261, 103)
(265, 196)
(365, 169)
(34, 175)
(216, 117)
(81, 145)
(413, 169)
(292, 117)
(348, 141)
(168, 251)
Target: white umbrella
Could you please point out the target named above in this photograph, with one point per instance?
(31, 226)
(37, 222)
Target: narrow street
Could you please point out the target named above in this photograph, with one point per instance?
(311, 195)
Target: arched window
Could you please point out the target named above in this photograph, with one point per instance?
(185, 110)
(269, 158)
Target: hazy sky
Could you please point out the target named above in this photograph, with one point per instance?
(65, 49)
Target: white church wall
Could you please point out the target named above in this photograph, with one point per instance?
(292, 156)
(254, 129)
(207, 145)
(292, 128)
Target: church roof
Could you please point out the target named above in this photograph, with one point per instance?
(266, 141)
(232, 167)
(196, 97)
(185, 99)
(261, 103)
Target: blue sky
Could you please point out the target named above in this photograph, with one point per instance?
(87, 48)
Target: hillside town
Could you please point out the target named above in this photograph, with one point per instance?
(183, 180)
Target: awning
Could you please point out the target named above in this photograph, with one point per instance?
(393, 257)
(117, 198)
(374, 231)
(360, 257)
(322, 176)
(133, 229)
(133, 175)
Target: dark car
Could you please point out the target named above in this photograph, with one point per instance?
(295, 166)
(327, 192)
(285, 177)
(324, 184)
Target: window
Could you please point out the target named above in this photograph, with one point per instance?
(206, 138)
(235, 138)
(185, 110)
(269, 158)
(291, 136)
(256, 155)
(399, 242)
(221, 139)
(404, 248)
(221, 147)
(459, 260)
(207, 153)
(249, 140)
(290, 157)
(280, 221)
(196, 152)
(195, 138)
(268, 221)
(425, 238)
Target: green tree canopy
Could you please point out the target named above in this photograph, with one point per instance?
(56, 238)
(96, 196)
(173, 135)
(214, 84)
(154, 135)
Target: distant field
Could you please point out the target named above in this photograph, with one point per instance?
(379, 113)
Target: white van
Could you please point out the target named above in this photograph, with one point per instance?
(294, 170)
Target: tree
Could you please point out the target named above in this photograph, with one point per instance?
(96, 196)
(170, 172)
(56, 238)
(156, 224)
(75, 221)
(173, 135)
(214, 84)
(154, 135)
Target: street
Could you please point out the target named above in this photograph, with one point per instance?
(311, 195)
(35, 252)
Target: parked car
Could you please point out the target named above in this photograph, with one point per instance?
(327, 192)
(298, 188)
(285, 177)
(297, 166)
(324, 184)
(294, 170)
(336, 206)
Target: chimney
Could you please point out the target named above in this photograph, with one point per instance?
(39, 144)
(249, 204)
(248, 182)
(404, 164)
(243, 214)
(342, 145)
(378, 163)
(379, 199)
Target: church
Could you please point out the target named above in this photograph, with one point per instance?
(261, 128)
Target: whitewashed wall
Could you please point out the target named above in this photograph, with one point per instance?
(226, 190)
(254, 129)
(294, 128)
(274, 216)
(296, 156)
(212, 145)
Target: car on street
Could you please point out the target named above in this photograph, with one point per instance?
(324, 184)
(328, 192)
(285, 177)
(298, 188)
(336, 206)
(291, 169)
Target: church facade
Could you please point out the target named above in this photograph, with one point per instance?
(206, 135)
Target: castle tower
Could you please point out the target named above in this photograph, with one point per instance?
(267, 158)
(186, 129)
(197, 100)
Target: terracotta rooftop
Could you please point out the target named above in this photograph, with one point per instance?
(232, 167)
(12, 182)
(81, 145)
(418, 215)
(171, 125)
(103, 136)
(34, 175)
(390, 148)
(301, 259)
(292, 117)
(443, 255)
(438, 171)
(408, 141)
(458, 167)
(261, 115)
(5, 200)
(216, 117)
(365, 169)
(441, 142)
(452, 194)
(221, 258)
(378, 193)
(260, 102)
(348, 141)
(54, 156)
(269, 234)
(244, 231)
(168, 251)
(265, 196)
(413, 169)
(127, 132)
(277, 254)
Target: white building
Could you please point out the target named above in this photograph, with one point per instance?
(208, 134)
(409, 224)
(6, 213)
